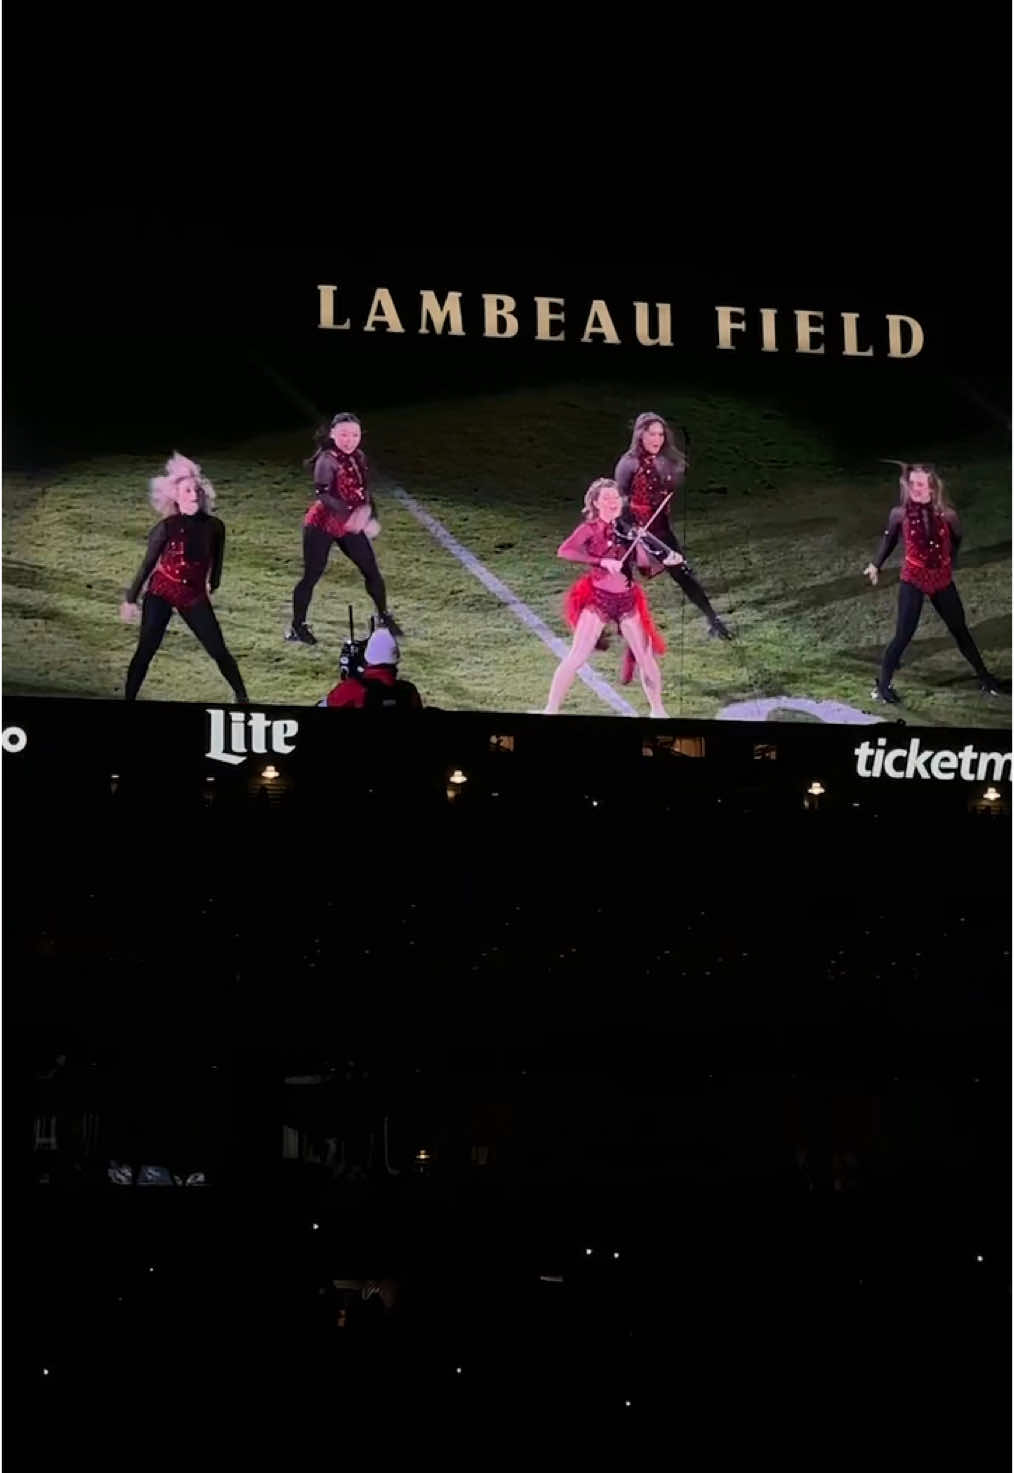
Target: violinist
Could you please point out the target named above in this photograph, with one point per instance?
(650, 474)
(606, 595)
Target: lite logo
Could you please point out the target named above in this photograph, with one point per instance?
(235, 735)
(915, 760)
(14, 739)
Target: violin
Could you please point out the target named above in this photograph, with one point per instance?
(632, 535)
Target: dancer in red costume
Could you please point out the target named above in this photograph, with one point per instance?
(343, 514)
(931, 534)
(650, 474)
(607, 595)
(182, 568)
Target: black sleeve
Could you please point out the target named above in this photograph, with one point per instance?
(624, 473)
(323, 484)
(364, 471)
(954, 522)
(217, 552)
(156, 542)
(890, 538)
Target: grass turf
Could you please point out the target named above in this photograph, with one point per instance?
(780, 554)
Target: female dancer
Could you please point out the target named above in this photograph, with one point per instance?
(652, 468)
(931, 534)
(607, 595)
(182, 568)
(342, 512)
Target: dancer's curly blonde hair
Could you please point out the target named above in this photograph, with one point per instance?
(162, 489)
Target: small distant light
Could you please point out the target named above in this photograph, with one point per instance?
(595, 802)
(270, 772)
(815, 789)
(587, 1253)
(44, 1371)
(315, 1226)
(151, 1270)
(979, 1258)
(422, 1154)
(991, 795)
(626, 1403)
(457, 777)
(116, 778)
(457, 1370)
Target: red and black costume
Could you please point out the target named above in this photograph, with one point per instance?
(931, 538)
(646, 480)
(182, 565)
(377, 688)
(614, 596)
(340, 487)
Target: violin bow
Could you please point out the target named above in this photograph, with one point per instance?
(641, 530)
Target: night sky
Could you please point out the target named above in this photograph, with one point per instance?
(165, 229)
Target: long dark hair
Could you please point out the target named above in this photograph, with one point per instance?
(938, 499)
(322, 435)
(670, 449)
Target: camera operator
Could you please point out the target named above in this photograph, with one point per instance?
(377, 685)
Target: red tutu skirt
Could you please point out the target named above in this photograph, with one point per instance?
(611, 607)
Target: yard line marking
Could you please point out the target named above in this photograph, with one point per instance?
(528, 617)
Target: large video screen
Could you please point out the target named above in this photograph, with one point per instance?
(536, 490)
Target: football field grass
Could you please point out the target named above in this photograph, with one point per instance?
(777, 527)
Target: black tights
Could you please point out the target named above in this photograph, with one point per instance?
(357, 547)
(681, 575)
(948, 606)
(155, 615)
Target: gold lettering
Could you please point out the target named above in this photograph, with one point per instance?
(808, 326)
(642, 326)
(436, 312)
(496, 309)
(599, 322)
(545, 317)
(384, 312)
(894, 321)
(852, 348)
(769, 343)
(327, 309)
(727, 326)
